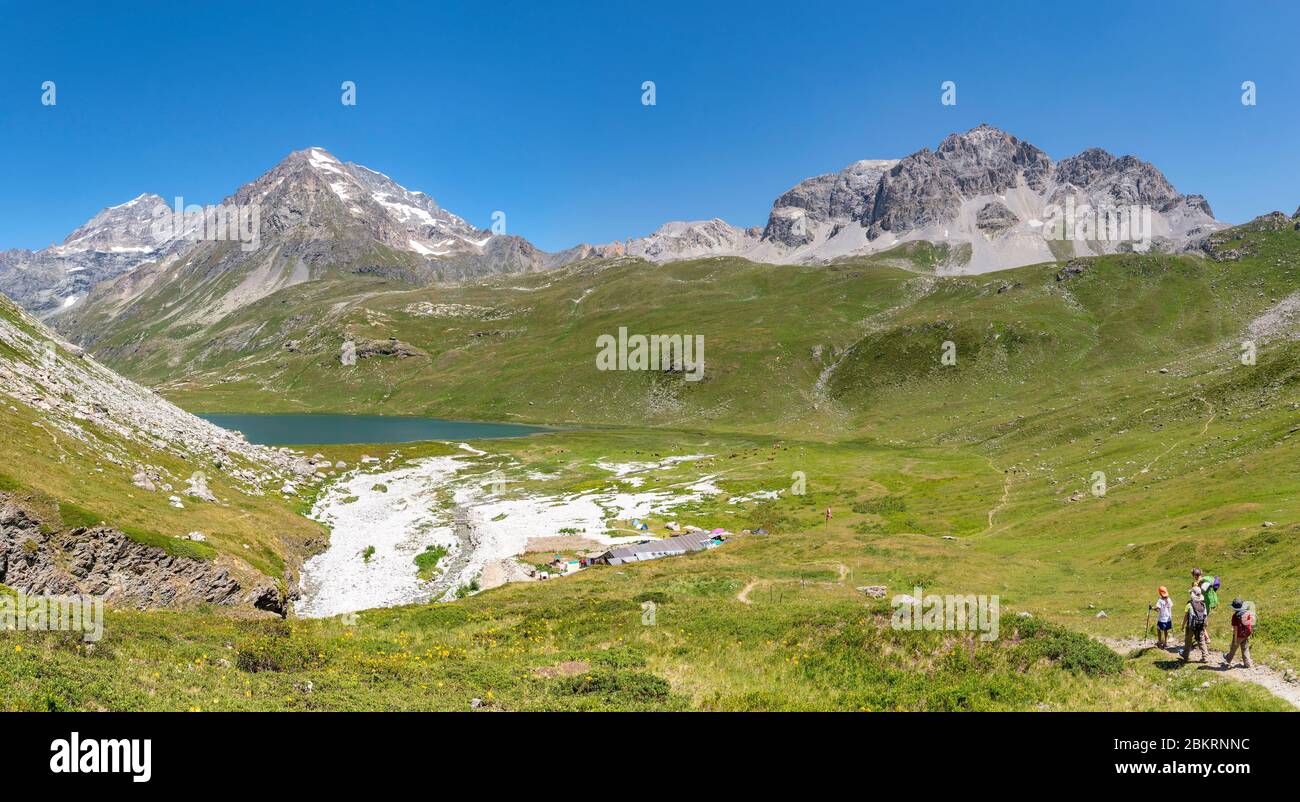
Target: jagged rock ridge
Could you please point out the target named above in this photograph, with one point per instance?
(987, 195)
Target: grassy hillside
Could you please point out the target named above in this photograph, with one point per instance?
(1129, 368)
(77, 473)
(761, 623)
(523, 348)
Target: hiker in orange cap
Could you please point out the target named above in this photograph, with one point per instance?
(1164, 607)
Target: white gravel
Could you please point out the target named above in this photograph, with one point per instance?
(403, 521)
(400, 524)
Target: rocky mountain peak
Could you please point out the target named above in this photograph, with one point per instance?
(314, 216)
(984, 192)
(1120, 180)
(113, 241)
(122, 228)
(311, 193)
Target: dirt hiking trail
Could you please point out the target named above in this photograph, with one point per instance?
(1268, 678)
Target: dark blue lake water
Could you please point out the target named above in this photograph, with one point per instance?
(297, 430)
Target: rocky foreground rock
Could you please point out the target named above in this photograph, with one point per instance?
(104, 562)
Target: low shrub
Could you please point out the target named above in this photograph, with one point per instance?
(618, 686)
(279, 650)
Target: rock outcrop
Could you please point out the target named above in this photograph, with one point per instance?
(103, 561)
(391, 347)
(1230, 246)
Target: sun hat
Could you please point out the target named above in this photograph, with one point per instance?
(1237, 604)
(1196, 592)
(1163, 591)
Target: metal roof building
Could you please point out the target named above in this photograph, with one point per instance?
(654, 549)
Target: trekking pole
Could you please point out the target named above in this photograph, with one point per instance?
(1146, 628)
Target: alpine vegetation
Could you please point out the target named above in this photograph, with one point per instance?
(948, 613)
(669, 353)
(75, 613)
(328, 445)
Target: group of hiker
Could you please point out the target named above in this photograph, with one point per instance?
(1203, 598)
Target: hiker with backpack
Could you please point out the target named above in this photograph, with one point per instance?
(1194, 626)
(1210, 591)
(1164, 608)
(1243, 625)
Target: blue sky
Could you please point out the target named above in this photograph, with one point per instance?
(535, 108)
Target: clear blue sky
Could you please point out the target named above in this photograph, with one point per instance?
(535, 108)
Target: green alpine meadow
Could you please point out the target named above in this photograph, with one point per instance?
(749, 363)
(1062, 436)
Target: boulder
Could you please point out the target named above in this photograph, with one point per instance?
(269, 598)
(1074, 267)
(198, 488)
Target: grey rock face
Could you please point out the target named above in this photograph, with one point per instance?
(681, 240)
(994, 218)
(849, 195)
(928, 187)
(854, 195)
(126, 227)
(984, 192)
(112, 242)
(103, 562)
(812, 195)
(917, 192)
(1122, 181)
(789, 225)
(272, 600)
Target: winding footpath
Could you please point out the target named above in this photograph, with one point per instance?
(1213, 413)
(1267, 678)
